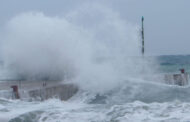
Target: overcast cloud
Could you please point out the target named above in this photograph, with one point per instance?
(167, 22)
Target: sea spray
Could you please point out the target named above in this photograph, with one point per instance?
(90, 46)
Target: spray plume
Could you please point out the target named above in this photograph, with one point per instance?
(90, 46)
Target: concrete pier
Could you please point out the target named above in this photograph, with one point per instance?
(177, 79)
(61, 91)
(38, 90)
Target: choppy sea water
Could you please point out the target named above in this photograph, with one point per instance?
(135, 101)
(58, 111)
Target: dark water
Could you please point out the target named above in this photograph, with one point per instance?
(173, 63)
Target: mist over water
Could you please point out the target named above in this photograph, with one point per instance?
(91, 46)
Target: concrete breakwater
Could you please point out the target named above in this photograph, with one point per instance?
(61, 91)
(37, 90)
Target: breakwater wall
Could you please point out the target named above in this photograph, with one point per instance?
(177, 79)
(61, 91)
(37, 90)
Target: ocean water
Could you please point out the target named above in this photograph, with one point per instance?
(136, 100)
(174, 63)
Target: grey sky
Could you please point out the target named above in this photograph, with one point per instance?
(167, 22)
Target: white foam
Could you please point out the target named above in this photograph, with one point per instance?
(56, 110)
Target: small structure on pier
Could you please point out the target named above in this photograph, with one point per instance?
(15, 93)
